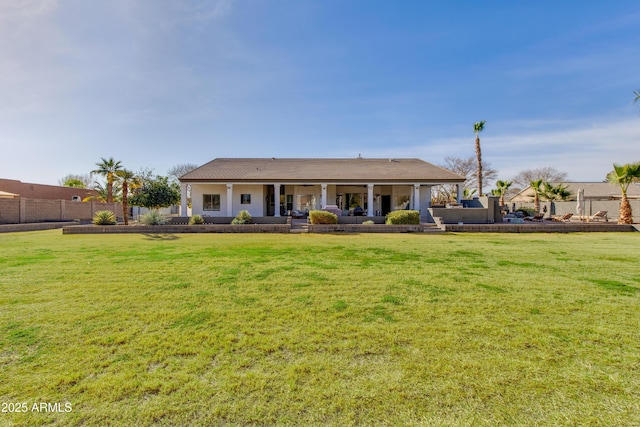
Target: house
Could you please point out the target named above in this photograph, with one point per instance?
(42, 191)
(593, 191)
(279, 186)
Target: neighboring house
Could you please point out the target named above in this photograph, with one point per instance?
(278, 186)
(42, 191)
(594, 191)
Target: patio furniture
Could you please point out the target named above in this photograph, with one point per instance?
(598, 216)
(535, 218)
(564, 218)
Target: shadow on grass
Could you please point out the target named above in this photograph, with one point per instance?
(150, 236)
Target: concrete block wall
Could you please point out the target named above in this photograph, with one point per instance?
(23, 210)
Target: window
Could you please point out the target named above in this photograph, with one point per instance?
(245, 199)
(210, 202)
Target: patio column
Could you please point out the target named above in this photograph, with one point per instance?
(276, 199)
(323, 198)
(416, 197)
(370, 210)
(183, 200)
(229, 199)
(460, 189)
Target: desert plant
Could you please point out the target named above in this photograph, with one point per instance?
(196, 219)
(368, 222)
(243, 217)
(153, 217)
(403, 217)
(104, 218)
(322, 217)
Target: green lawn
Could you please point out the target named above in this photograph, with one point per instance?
(406, 329)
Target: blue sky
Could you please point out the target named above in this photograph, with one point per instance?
(155, 83)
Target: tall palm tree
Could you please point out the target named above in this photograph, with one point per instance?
(536, 186)
(477, 128)
(637, 94)
(128, 180)
(501, 190)
(108, 168)
(624, 175)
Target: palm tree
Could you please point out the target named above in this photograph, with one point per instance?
(554, 193)
(624, 175)
(501, 190)
(637, 94)
(108, 168)
(128, 180)
(536, 186)
(477, 128)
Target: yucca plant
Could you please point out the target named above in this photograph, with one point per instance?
(153, 217)
(196, 219)
(104, 218)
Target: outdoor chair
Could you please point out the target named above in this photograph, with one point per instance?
(564, 218)
(536, 218)
(598, 216)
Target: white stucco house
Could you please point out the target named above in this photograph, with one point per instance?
(278, 186)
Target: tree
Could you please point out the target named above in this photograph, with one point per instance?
(554, 193)
(637, 94)
(547, 174)
(128, 180)
(108, 169)
(156, 193)
(466, 167)
(624, 175)
(536, 186)
(477, 128)
(177, 171)
(74, 183)
(102, 192)
(501, 190)
(75, 180)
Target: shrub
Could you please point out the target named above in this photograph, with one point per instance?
(153, 218)
(403, 217)
(368, 222)
(104, 218)
(196, 219)
(243, 217)
(322, 217)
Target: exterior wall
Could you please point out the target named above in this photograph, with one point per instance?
(23, 210)
(258, 201)
(9, 211)
(256, 208)
(590, 207)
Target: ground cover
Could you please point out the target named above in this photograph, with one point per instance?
(403, 329)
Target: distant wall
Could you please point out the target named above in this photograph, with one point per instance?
(24, 210)
(485, 210)
(591, 206)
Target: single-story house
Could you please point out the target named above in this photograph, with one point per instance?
(44, 191)
(594, 191)
(279, 186)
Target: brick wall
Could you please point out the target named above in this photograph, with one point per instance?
(23, 210)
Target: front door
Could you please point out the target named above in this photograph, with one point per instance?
(386, 204)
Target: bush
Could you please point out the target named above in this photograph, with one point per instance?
(322, 217)
(368, 222)
(403, 217)
(153, 218)
(196, 219)
(104, 218)
(243, 217)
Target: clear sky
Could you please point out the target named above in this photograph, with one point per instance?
(155, 83)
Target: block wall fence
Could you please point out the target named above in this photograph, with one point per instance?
(23, 210)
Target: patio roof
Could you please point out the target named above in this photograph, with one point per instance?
(321, 170)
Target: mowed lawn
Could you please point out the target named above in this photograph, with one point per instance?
(404, 329)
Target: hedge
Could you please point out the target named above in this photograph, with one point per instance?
(403, 217)
(322, 217)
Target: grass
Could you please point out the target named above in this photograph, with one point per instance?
(407, 329)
